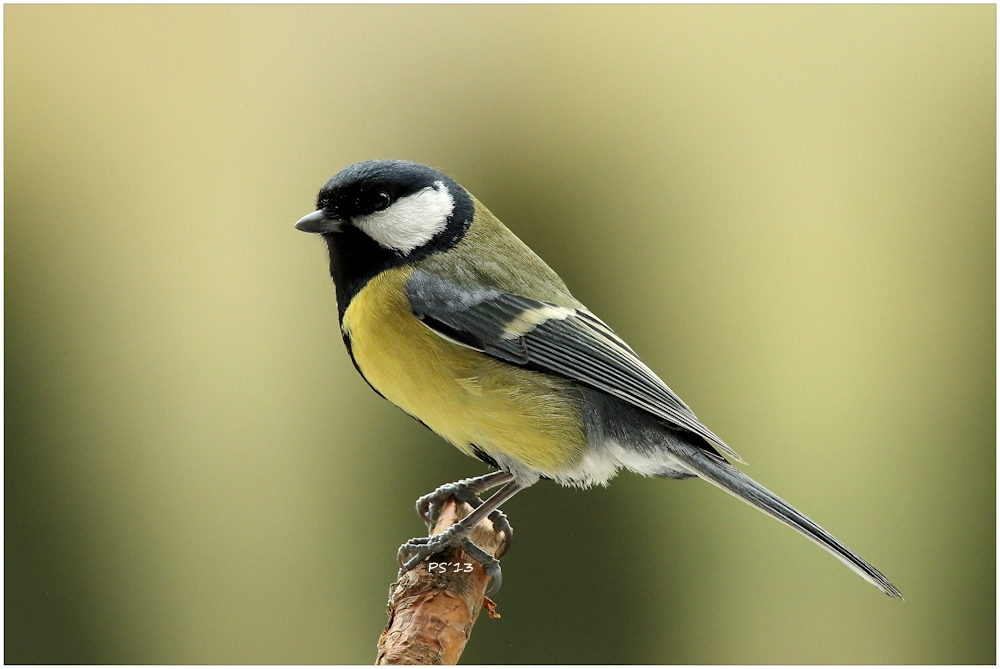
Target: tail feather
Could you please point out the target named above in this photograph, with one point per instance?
(738, 484)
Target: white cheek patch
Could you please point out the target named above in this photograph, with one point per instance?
(410, 221)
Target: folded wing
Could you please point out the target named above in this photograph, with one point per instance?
(570, 342)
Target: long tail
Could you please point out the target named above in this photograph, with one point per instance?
(740, 485)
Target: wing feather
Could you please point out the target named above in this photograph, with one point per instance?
(570, 342)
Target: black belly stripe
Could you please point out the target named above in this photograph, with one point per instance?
(484, 456)
(350, 352)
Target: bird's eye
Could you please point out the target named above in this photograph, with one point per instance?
(382, 202)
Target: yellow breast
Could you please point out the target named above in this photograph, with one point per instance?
(465, 396)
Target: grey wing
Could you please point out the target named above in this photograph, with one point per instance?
(570, 342)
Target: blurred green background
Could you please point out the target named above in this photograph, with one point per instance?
(788, 211)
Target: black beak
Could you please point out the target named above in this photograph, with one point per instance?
(318, 222)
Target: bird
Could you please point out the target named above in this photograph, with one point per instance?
(451, 317)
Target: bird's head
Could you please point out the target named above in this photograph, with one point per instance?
(401, 206)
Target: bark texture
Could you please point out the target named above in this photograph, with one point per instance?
(432, 608)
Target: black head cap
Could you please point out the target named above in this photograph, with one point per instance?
(428, 213)
(373, 185)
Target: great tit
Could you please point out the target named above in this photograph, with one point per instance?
(452, 318)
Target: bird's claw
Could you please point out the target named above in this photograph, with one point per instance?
(502, 526)
(490, 565)
(429, 506)
(418, 549)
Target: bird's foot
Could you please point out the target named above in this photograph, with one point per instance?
(416, 550)
(467, 490)
(429, 506)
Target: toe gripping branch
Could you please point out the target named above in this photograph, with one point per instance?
(419, 549)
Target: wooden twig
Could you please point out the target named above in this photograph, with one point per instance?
(433, 607)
